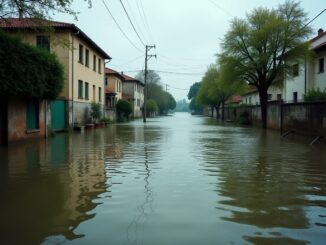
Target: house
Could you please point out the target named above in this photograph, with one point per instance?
(133, 91)
(252, 96)
(113, 91)
(307, 74)
(83, 62)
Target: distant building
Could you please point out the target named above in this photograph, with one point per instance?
(83, 62)
(133, 91)
(252, 96)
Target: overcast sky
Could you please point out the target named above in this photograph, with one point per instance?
(187, 33)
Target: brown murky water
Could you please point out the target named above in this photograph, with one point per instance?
(177, 180)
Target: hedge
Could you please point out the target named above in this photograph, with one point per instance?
(28, 71)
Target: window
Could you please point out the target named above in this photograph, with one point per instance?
(86, 91)
(80, 89)
(295, 70)
(87, 57)
(269, 97)
(94, 62)
(106, 81)
(321, 65)
(99, 94)
(32, 115)
(43, 42)
(279, 96)
(81, 53)
(99, 65)
(94, 95)
(249, 100)
(295, 97)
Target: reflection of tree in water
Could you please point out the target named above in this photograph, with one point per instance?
(48, 190)
(261, 183)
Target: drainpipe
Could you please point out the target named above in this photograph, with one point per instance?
(72, 78)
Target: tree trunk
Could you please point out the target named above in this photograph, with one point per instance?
(223, 110)
(212, 111)
(217, 108)
(263, 106)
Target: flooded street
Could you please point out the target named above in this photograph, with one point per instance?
(176, 180)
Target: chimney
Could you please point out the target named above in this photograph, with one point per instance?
(320, 31)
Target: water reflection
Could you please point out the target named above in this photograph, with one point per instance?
(262, 182)
(48, 187)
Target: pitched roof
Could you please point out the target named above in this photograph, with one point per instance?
(131, 79)
(12, 24)
(109, 71)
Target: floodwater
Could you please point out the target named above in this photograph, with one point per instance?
(177, 180)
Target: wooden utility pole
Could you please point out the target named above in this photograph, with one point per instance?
(147, 57)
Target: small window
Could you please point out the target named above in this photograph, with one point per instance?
(269, 97)
(249, 100)
(94, 62)
(86, 91)
(32, 115)
(80, 89)
(321, 65)
(295, 97)
(99, 66)
(87, 57)
(94, 95)
(295, 70)
(81, 53)
(279, 96)
(99, 94)
(43, 42)
(106, 81)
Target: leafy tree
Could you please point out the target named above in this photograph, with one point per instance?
(40, 9)
(256, 47)
(207, 93)
(182, 106)
(124, 109)
(193, 106)
(171, 102)
(41, 77)
(193, 90)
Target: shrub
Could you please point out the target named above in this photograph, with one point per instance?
(244, 118)
(152, 106)
(96, 112)
(124, 109)
(28, 71)
(315, 95)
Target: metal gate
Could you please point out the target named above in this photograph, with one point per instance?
(58, 115)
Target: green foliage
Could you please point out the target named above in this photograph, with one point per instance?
(152, 106)
(124, 109)
(96, 112)
(182, 106)
(163, 99)
(28, 71)
(41, 9)
(193, 90)
(106, 120)
(315, 95)
(256, 47)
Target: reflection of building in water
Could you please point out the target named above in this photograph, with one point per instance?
(47, 188)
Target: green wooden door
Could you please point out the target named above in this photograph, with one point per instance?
(58, 115)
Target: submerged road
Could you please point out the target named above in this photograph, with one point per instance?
(176, 180)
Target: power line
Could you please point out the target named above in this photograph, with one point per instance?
(220, 8)
(172, 72)
(144, 19)
(314, 18)
(132, 23)
(125, 35)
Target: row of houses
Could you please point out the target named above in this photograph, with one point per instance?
(307, 74)
(86, 80)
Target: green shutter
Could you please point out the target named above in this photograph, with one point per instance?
(86, 90)
(32, 115)
(80, 89)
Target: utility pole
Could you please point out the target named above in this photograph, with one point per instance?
(147, 57)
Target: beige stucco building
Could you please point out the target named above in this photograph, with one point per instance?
(83, 61)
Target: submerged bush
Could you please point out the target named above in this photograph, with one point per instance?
(124, 109)
(244, 118)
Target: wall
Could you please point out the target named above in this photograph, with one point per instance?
(17, 120)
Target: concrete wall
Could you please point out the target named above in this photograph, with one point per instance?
(17, 129)
(82, 112)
